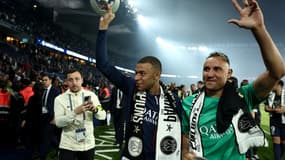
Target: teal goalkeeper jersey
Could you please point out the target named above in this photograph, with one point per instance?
(216, 146)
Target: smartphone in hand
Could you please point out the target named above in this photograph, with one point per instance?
(87, 99)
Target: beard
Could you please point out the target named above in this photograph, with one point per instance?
(75, 89)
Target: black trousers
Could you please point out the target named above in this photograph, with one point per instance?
(76, 155)
(48, 139)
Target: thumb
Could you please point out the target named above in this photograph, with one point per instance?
(109, 8)
(234, 21)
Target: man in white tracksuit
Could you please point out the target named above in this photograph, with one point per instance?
(74, 110)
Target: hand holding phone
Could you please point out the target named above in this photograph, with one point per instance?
(84, 106)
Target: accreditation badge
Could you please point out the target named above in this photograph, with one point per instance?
(80, 134)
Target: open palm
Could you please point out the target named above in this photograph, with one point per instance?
(251, 16)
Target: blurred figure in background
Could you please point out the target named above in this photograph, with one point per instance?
(275, 105)
(200, 85)
(118, 105)
(50, 134)
(193, 88)
(32, 122)
(104, 97)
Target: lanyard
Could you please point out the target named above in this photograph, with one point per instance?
(71, 108)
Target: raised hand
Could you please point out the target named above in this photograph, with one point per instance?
(251, 16)
(106, 19)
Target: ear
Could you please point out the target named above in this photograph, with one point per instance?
(230, 72)
(157, 76)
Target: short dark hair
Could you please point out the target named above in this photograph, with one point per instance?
(48, 75)
(72, 71)
(155, 62)
(244, 82)
(200, 82)
(220, 54)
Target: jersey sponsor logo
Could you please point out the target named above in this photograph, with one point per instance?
(168, 145)
(135, 146)
(151, 116)
(211, 132)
